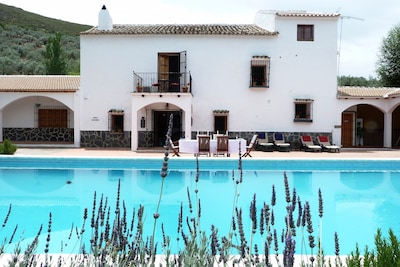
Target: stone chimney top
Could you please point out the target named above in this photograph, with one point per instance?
(105, 20)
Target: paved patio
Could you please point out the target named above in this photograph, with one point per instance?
(362, 153)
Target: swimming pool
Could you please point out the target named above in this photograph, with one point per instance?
(359, 195)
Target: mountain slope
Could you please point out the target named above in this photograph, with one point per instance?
(10, 15)
(23, 39)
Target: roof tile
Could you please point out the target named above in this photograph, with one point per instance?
(359, 91)
(305, 14)
(185, 29)
(39, 83)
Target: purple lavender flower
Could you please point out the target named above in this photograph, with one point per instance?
(287, 189)
(273, 199)
(320, 202)
(299, 213)
(253, 214)
(288, 252)
(337, 249)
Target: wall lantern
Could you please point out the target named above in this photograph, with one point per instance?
(142, 122)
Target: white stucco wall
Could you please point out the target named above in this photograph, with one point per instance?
(220, 68)
(106, 81)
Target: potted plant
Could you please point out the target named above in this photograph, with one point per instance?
(139, 87)
(359, 133)
(185, 88)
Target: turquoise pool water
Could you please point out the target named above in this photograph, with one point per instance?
(359, 195)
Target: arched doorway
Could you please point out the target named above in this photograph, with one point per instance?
(396, 128)
(362, 126)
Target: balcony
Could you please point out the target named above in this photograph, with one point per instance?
(162, 82)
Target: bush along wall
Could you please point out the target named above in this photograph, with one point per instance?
(7, 148)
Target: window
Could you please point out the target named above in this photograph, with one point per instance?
(52, 118)
(259, 71)
(303, 110)
(116, 121)
(305, 32)
(220, 121)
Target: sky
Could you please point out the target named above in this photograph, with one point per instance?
(361, 28)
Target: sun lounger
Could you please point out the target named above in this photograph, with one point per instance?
(263, 143)
(279, 141)
(308, 144)
(327, 145)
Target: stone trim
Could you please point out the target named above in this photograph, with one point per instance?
(104, 139)
(40, 135)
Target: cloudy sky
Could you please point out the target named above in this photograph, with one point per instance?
(363, 25)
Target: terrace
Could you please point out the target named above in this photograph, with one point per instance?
(162, 82)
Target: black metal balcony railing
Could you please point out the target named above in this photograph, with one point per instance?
(161, 82)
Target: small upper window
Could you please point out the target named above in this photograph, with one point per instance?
(305, 32)
(259, 71)
(303, 110)
(116, 121)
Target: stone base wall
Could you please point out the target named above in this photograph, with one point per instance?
(39, 135)
(103, 139)
(146, 139)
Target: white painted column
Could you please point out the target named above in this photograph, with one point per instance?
(1, 124)
(188, 123)
(387, 130)
(134, 127)
(77, 113)
(337, 134)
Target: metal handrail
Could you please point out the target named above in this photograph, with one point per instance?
(156, 82)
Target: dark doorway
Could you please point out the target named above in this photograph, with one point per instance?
(220, 124)
(347, 129)
(396, 128)
(373, 120)
(161, 120)
(169, 71)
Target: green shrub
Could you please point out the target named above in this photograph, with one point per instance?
(7, 147)
(387, 252)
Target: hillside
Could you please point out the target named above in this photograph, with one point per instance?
(23, 39)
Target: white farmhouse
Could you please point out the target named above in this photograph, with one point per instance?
(278, 74)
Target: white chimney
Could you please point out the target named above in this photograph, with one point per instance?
(105, 20)
(266, 19)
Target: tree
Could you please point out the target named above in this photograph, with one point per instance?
(55, 58)
(358, 81)
(388, 65)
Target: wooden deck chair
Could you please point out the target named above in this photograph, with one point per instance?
(204, 145)
(280, 143)
(222, 145)
(327, 145)
(308, 144)
(174, 147)
(251, 146)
